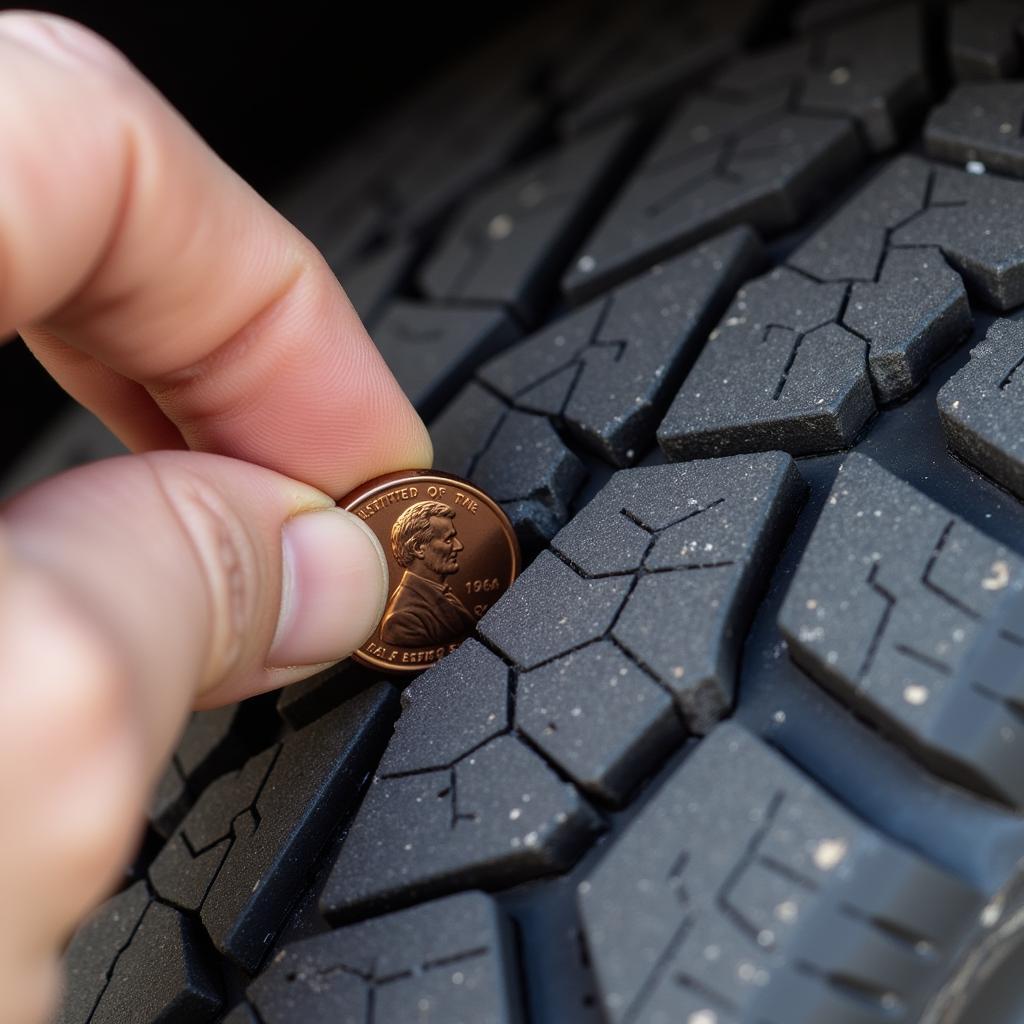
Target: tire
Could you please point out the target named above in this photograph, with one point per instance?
(721, 306)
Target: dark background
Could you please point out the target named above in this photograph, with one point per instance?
(270, 92)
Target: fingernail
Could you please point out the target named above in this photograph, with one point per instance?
(334, 588)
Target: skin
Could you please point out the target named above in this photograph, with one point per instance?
(165, 295)
(441, 552)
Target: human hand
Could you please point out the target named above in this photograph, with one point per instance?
(166, 296)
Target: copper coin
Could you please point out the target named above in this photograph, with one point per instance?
(451, 554)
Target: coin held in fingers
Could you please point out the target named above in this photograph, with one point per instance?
(451, 554)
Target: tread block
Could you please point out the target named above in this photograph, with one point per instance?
(607, 370)
(460, 433)
(863, 309)
(599, 716)
(510, 243)
(518, 458)
(527, 467)
(972, 218)
(371, 281)
(552, 610)
(906, 303)
(984, 38)
(910, 316)
(140, 961)
(982, 404)
(300, 704)
(756, 146)
(336, 206)
(241, 1014)
(722, 160)
(884, 88)
(914, 203)
(415, 163)
(244, 850)
(779, 371)
(207, 748)
(659, 547)
(893, 602)
(450, 960)
(842, 71)
(431, 350)
(742, 891)
(814, 14)
(646, 54)
(458, 800)
(851, 245)
(471, 126)
(93, 951)
(161, 976)
(980, 121)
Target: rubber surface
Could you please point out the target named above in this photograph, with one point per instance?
(722, 303)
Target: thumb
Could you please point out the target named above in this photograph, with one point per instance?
(213, 579)
(129, 591)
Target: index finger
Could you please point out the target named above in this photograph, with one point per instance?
(157, 286)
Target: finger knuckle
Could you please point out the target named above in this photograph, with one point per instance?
(31, 990)
(102, 724)
(88, 865)
(72, 754)
(94, 846)
(78, 38)
(97, 695)
(101, 70)
(68, 36)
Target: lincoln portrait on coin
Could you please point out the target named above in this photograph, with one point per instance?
(424, 611)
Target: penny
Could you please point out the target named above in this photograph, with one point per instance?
(451, 554)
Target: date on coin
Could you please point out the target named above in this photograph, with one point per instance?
(451, 554)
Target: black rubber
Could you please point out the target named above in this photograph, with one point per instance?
(722, 303)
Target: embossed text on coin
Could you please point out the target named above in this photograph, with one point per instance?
(451, 554)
